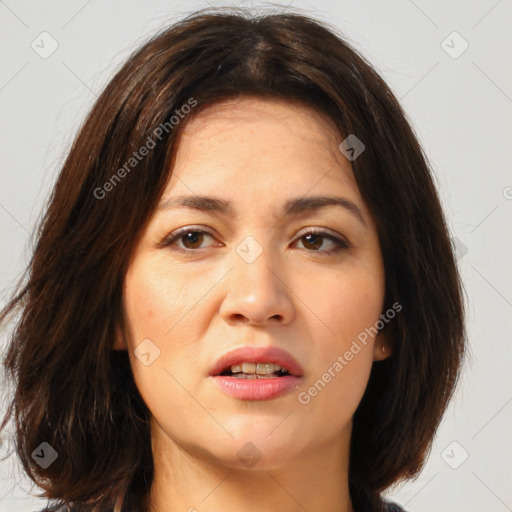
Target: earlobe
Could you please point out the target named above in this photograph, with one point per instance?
(119, 341)
(381, 350)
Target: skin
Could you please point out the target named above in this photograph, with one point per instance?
(257, 154)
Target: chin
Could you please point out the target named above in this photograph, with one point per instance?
(254, 449)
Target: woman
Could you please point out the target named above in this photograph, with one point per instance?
(243, 292)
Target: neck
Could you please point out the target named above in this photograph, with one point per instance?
(185, 480)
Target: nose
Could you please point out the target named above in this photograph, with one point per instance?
(257, 292)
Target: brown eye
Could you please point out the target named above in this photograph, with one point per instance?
(313, 241)
(191, 239)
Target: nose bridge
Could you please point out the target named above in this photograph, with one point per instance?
(257, 289)
(256, 262)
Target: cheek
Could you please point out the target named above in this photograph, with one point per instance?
(332, 395)
(142, 306)
(150, 311)
(336, 386)
(153, 301)
(348, 305)
(159, 306)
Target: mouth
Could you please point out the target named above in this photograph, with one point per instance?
(257, 363)
(257, 373)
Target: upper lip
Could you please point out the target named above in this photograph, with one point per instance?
(251, 354)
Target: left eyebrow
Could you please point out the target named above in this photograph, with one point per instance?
(291, 207)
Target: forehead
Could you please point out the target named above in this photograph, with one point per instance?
(233, 118)
(246, 141)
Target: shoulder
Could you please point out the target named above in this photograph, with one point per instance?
(393, 507)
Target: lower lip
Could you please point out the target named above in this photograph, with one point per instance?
(256, 389)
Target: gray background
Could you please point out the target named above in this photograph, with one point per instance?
(459, 104)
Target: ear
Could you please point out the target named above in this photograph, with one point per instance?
(119, 341)
(382, 348)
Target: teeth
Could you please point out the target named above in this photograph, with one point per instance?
(254, 376)
(256, 368)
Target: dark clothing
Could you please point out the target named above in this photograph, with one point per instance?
(130, 506)
(393, 507)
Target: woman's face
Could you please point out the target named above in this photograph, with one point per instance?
(251, 276)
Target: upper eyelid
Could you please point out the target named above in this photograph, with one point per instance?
(322, 230)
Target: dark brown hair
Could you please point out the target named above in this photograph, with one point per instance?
(77, 394)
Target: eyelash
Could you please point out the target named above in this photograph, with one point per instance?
(340, 244)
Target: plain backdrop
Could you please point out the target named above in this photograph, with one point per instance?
(450, 65)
